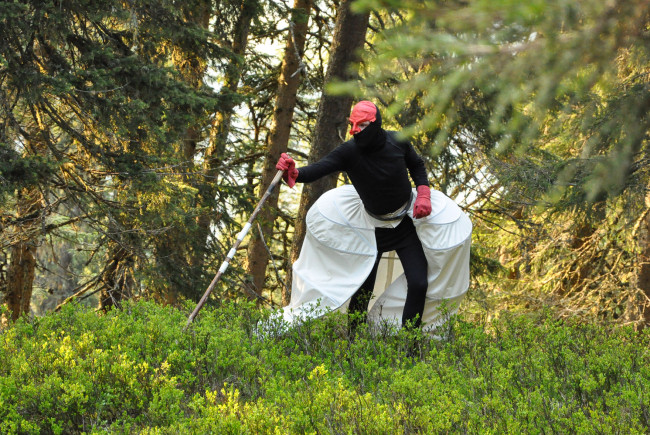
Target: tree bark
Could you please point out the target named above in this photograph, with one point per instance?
(22, 263)
(221, 127)
(643, 276)
(117, 280)
(193, 67)
(285, 104)
(179, 251)
(331, 122)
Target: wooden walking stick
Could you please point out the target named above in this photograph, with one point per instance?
(231, 254)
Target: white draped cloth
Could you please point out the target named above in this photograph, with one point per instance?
(339, 251)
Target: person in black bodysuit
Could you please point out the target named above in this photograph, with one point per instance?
(379, 165)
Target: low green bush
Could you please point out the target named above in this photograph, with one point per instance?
(135, 371)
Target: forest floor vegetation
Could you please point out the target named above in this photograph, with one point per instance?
(135, 371)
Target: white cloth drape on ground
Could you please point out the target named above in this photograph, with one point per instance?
(339, 252)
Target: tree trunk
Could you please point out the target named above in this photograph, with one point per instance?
(22, 263)
(643, 276)
(193, 67)
(221, 127)
(331, 122)
(179, 251)
(117, 280)
(290, 75)
(234, 71)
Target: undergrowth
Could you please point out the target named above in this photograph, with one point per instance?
(135, 371)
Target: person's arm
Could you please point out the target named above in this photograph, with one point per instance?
(333, 162)
(415, 165)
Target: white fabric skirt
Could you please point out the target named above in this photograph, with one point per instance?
(339, 252)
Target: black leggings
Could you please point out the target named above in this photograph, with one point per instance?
(404, 240)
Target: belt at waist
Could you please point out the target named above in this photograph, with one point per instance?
(395, 215)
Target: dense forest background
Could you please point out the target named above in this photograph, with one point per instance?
(137, 137)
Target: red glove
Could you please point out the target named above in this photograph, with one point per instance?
(286, 164)
(422, 206)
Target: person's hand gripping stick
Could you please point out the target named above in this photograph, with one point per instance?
(286, 164)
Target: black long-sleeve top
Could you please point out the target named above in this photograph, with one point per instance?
(379, 175)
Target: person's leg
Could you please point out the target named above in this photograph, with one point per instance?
(358, 308)
(415, 265)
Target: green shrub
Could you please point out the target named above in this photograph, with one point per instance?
(135, 371)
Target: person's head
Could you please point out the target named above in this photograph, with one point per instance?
(363, 113)
(365, 125)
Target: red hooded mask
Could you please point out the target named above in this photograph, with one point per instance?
(363, 111)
